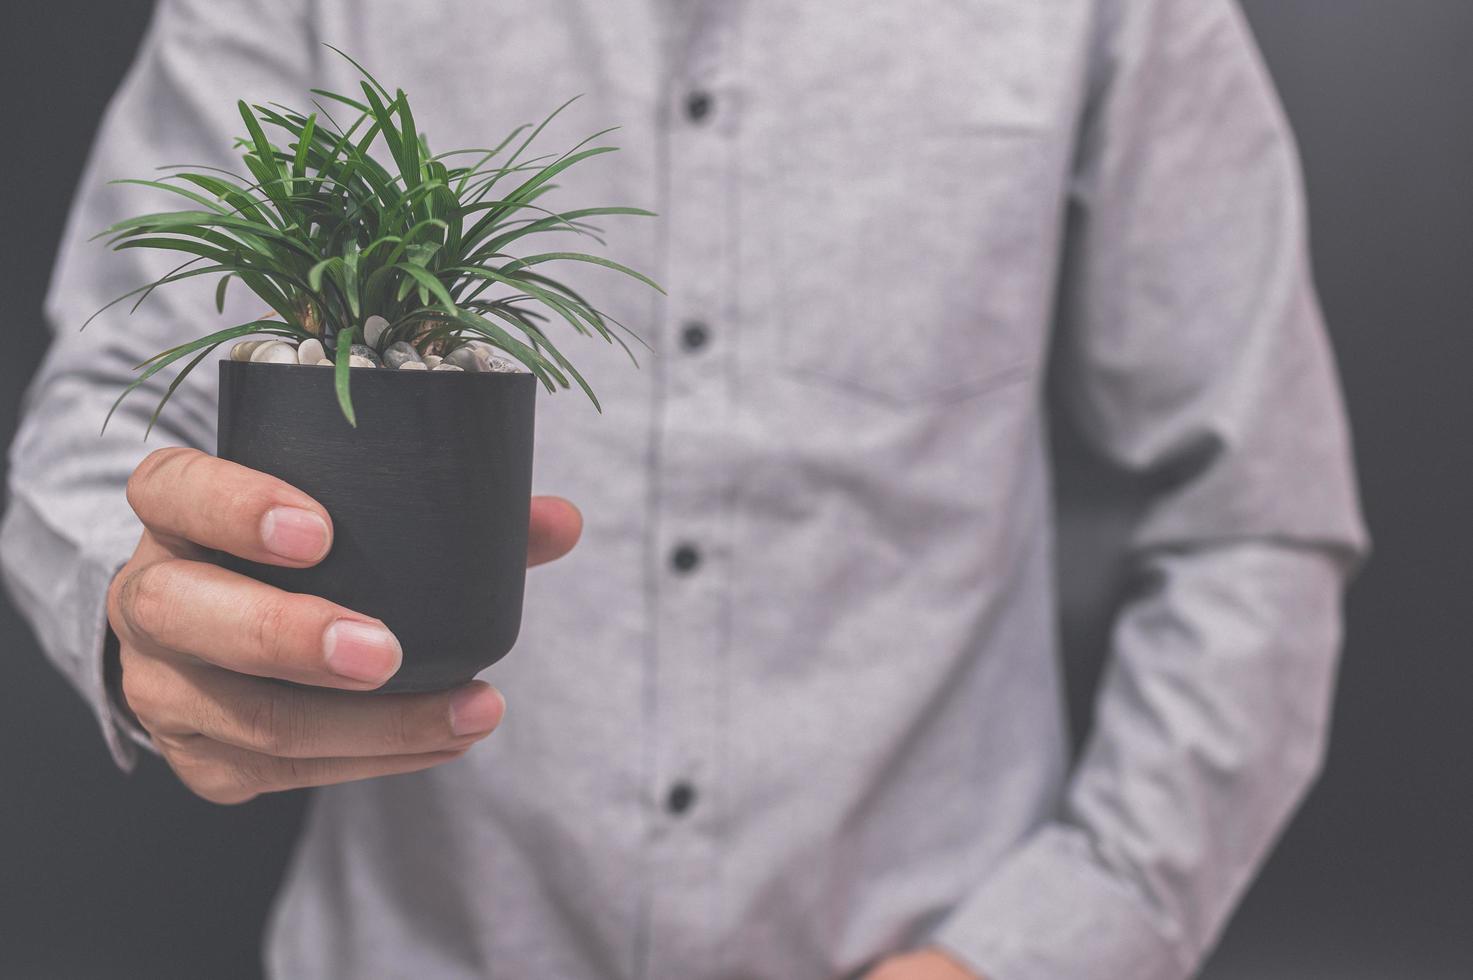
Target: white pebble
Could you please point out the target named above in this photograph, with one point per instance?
(323, 363)
(432, 361)
(373, 329)
(357, 360)
(447, 367)
(497, 360)
(243, 349)
(414, 366)
(310, 351)
(274, 352)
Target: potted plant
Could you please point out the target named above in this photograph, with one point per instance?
(396, 374)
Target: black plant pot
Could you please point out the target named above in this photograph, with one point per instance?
(429, 498)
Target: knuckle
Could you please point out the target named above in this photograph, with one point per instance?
(146, 598)
(278, 723)
(296, 773)
(241, 507)
(139, 691)
(210, 781)
(120, 600)
(399, 734)
(146, 473)
(115, 598)
(139, 479)
(249, 774)
(261, 732)
(270, 618)
(238, 496)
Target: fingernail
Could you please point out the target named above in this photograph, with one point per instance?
(475, 709)
(361, 651)
(291, 532)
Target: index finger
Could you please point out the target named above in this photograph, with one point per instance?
(187, 495)
(216, 616)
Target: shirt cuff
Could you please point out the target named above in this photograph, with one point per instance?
(1054, 911)
(121, 733)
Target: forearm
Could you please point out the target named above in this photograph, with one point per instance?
(58, 580)
(67, 527)
(1211, 724)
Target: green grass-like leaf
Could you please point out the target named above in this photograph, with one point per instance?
(342, 222)
(340, 372)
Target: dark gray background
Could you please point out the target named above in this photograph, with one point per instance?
(102, 875)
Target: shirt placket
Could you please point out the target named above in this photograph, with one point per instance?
(691, 546)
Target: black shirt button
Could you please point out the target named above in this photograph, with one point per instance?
(694, 335)
(680, 798)
(698, 106)
(685, 558)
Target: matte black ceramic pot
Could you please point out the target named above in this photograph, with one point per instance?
(429, 498)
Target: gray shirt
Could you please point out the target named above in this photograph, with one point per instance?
(886, 216)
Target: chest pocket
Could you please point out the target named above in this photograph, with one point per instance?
(916, 175)
(910, 270)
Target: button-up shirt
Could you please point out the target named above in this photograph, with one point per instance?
(794, 703)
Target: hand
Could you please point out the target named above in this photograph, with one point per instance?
(925, 964)
(197, 641)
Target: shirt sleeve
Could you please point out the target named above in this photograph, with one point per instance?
(67, 527)
(1192, 354)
